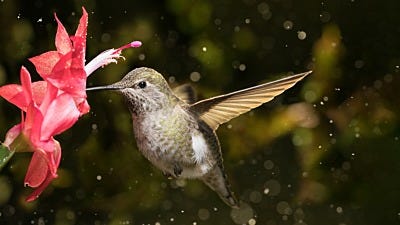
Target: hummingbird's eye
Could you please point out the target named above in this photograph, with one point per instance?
(142, 84)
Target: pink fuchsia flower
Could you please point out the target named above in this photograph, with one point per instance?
(44, 115)
(52, 106)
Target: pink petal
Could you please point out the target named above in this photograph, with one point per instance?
(83, 107)
(45, 62)
(35, 194)
(61, 114)
(26, 84)
(33, 123)
(46, 167)
(37, 170)
(49, 95)
(43, 167)
(15, 95)
(52, 149)
(68, 76)
(63, 42)
(83, 23)
(12, 134)
(39, 90)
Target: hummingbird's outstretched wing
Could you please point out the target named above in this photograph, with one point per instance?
(220, 109)
(186, 93)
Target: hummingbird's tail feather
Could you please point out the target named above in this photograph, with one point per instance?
(216, 180)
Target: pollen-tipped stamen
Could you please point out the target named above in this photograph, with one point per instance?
(133, 44)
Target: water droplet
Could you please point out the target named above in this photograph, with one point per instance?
(268, 164)
(141, 57)
(388, 78)
(288, 25)
(243, 214)
(301, 35)
(203, 214)
(40, 20)
(252, 221)
(263, 8)
(358, 64)
(204, 49)
(247, 20)
(242, 67)
(98, 177)
(325, 16)
(272, 187)
(171, 79)
(195, 76)
(255, 197)
(378, 84)
(284, 208)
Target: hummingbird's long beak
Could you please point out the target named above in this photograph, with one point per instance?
(107, 87)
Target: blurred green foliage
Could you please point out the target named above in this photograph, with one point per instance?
(325, 152)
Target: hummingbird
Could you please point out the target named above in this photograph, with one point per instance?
(178, 135)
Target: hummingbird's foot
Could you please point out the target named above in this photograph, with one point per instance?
(177, 170)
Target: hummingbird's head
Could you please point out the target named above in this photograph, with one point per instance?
(144, 90)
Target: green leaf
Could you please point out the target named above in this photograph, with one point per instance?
(5, 155)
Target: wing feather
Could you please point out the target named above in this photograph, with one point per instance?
(220, 109)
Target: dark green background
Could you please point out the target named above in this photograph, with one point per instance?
(325, 152)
